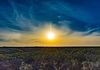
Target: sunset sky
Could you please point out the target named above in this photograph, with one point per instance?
(29, 22)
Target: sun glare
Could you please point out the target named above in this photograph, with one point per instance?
(51, 35)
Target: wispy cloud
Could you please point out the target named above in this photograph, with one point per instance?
(24, 21)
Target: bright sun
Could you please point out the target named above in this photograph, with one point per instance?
(50, 35)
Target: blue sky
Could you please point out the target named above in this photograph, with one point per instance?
(24, 16)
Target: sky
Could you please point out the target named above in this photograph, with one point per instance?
(24, 22)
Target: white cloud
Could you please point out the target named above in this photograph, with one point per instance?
(10, 36)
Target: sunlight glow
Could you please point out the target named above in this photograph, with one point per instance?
(51, 35)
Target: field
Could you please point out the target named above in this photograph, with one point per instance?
(49, 58)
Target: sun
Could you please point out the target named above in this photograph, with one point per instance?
(50, 35)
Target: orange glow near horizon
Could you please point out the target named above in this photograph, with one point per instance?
(50, 35)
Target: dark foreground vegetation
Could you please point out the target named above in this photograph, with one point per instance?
(49, 58)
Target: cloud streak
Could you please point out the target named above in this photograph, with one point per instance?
(22, 21)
